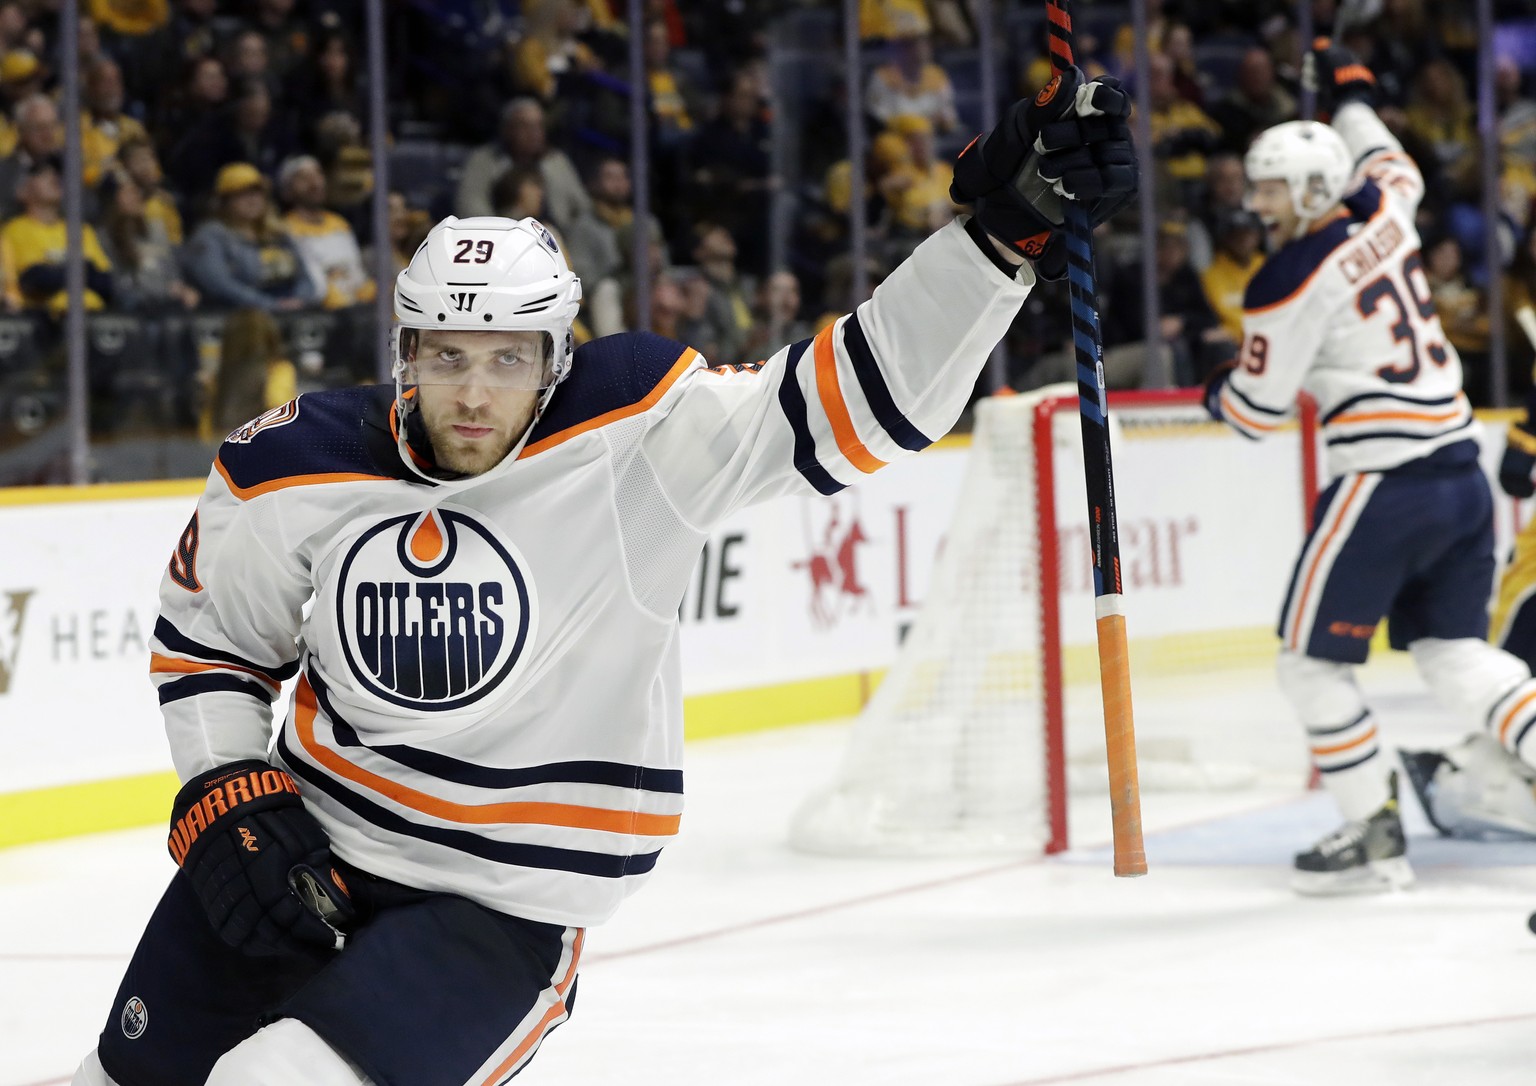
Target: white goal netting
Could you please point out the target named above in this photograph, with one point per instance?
(990, 718)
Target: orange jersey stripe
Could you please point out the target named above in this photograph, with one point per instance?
(550, 1015)
(245, 493)
(830, 391)
(1398, 416)
(1509, 717)
(1317, 559)
(680, 367)
(1227, 408)
(568, 815)
(1340, 748)
(160, 664)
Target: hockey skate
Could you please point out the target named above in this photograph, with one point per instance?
(1362, 857)
(1475, 789)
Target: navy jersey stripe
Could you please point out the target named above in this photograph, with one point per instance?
(1350, 439)
(1349, 765)
(607, 374)
(1345, 405)
(792, 403)
(1253, 406)
(189, 686)
(457, 771)
(182, 645)
(876, 393)
(545, 857)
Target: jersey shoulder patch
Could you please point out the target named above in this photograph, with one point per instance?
(1292, 266)
(611, 378)
(316, 438)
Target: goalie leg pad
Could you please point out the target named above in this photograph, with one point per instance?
(284, 1053)
(1490, 687)
(1341, 731)
(1475, 790)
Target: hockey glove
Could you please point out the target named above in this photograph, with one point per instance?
(1519, 463)
(1337, 77)
(1072, 141)
(258, 861)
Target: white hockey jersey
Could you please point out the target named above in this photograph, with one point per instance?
(488, 700)
(1345, 313)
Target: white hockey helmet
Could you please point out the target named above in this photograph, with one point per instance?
(1310, 157)
(487, 274)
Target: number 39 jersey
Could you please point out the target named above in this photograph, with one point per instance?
(488, 694)
(1345, 314)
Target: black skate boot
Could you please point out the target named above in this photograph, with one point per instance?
(1364, 857)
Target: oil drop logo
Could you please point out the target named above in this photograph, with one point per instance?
(434, 610)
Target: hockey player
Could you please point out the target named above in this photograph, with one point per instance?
(475, 577)
(1404, 531)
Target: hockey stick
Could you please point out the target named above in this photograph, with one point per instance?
(1103, 531)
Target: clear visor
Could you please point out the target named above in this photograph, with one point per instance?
(491, 359)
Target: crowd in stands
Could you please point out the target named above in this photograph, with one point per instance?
(227, 171)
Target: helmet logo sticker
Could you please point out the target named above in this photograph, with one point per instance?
(463, 302)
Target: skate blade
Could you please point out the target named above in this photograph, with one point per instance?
(1376, 877)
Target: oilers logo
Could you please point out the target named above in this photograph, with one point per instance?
(433, 610)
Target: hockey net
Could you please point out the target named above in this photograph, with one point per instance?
(990, 717)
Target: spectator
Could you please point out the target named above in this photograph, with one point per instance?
(1225, 186)
(21, 76)
(36, 242)
(286, 36)
(203, 94)
(1463, 313)
(1187, 324)
(910, 83)
(247, 60)
(241, 257)
(549, 50)
(137, 160)
(1188, 80)
(1520, 307)
(246, 132)
(325, 82)
(671, 113)
(667, 308)
(776, 316)
(1257, 102)
(524, 144)
(130, 18)
(326, 245)
(592, 240)
(714, 252)
(1182, 134)
(1239, 241)
(1440, 115)
(104, 127)
(732, 171)
(1517, 113)
(882, 20)
(146, 268)
(39, 138)
(519, 194)
(921, 203)
(887, 169)
(407, 226)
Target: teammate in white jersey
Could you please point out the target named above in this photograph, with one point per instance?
(475, 576)
(1404, 531)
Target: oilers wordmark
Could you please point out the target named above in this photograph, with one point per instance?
(429, 639)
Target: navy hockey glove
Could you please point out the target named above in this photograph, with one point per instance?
(1337, 77)
(258, 861)
(1519, 463)
(1072, 141)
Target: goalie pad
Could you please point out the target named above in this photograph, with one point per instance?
(1475, 790)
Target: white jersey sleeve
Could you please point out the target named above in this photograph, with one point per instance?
(225, 639)
(820, 414)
